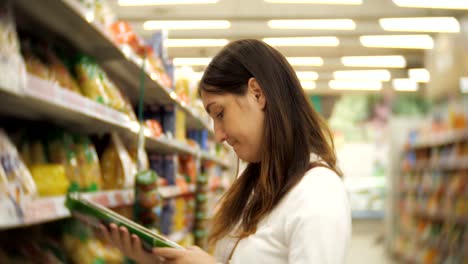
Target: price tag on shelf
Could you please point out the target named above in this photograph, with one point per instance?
(102, 199)
(39, 88)
(98, 110)
(70, 99)
(41, 210)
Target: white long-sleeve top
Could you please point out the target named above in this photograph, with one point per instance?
(311, 224)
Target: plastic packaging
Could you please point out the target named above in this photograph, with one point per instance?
(95, 214)
(19, 179)
(50, 179)
(12, 67)
(88, 162)
(117, 167)
(90, 78)
(62, 151)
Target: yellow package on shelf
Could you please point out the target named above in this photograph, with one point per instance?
(50, 179)
(180, 129)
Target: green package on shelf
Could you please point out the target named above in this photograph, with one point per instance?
(94, 214)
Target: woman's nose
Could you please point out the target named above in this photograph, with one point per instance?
(220, 135)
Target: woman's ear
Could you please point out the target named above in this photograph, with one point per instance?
(256, 91)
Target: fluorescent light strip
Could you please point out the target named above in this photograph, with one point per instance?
(186, 24)
(325, 24)
(355, 85)
(436, 4)
(307, 75)
(305, 61)
(464, 85)
(164, 2)
(398, 41)
(324, 2)
(180, 43)
(304, 41)
(308, 85)
(406, 85)
(419, 75)
(391, 61)
(371, 75)
(191, 61)
(421, 24)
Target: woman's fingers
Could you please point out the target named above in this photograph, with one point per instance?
(105, 234)
(168, 253)
(136, 245)
(125, 240)
(115, 236)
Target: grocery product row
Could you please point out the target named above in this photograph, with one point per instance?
(124, 55)
(40, 163)
(431, 191)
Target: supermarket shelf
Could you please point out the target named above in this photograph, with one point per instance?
(175, 191)
(440, 139)
(211, 157)
(440, 243)
(448, 164)
(53, 208)
(441, 216)
(66, 18)
(42, 99)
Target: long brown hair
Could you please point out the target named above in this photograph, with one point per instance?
(293, 130)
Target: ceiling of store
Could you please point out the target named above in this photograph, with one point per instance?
(249, 20)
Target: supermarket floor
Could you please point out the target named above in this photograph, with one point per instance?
(367, 246)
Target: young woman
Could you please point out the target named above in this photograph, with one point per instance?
(289, 205)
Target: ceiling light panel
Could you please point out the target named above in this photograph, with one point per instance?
(186, 24)
(173, 43)
(392, 61)
(435, 4)
(319, 24)
(375, 75)
(303, 41)
(398, 41)
(164, 2)
(421, 24)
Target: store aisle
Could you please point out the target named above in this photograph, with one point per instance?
(367, 247)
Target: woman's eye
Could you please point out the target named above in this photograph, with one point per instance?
(220, 115)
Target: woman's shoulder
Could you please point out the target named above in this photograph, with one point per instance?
(319, 187)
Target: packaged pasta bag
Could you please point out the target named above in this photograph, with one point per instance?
(20, 181)
(50, 179)
(34, 65)
(13, 73)
(60, 73)
(88, 162)
(61, 150)
(117, 167)
(91, 80)
(116, 100)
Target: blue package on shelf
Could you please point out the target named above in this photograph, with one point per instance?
(168, 120)
(170, 169)
(167, 214)
(204, 139)
(157, 164)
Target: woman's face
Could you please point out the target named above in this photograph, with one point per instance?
(239, 120)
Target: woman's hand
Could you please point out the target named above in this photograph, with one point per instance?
(129, 244)
(192, 255)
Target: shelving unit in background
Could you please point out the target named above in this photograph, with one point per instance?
(45, 100)
(432, 199)
(67, 19)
